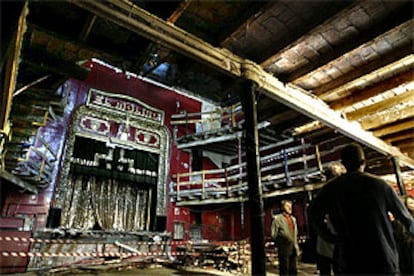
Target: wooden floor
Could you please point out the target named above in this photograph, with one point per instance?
(160, 270)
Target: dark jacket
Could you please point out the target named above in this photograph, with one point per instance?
(358, 205)
(405, 247)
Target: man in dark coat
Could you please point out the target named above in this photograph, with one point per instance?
(358, 205)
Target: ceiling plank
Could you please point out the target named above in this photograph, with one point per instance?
(394, 128)
(365, 69)
(374, 90)
(388, 118)
(404, 75)
(400, 136)
(307, 104)
(392, 20)
(178, 12)
(409, 149)
(380, 106)
(49, 63)
(68, 49)
(400, 65)
(272, 54)
(156, 29)
(407, 144)
(87, 28)
(283, 117)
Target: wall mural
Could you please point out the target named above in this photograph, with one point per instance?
(115, 166)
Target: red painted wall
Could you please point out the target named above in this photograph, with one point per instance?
(108, 79)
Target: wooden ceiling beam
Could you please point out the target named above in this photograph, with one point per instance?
(366, 93)
(47, 62)
(283, 117)
(87, 28)
(405, 145)
(404, 75)
(400, 52)
(178, 12)
(381, 106)
(141, 22)
(315, 108)
(392, 20)
(409, 150)
(318, 26)
(394, 128)
(11, 67)
(400, 136)
(377, 121)
(68, 49)
(137, 20)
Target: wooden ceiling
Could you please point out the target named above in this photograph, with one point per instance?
(328, 71)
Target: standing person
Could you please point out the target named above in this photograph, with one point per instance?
(284, 232)
(405, 241)
(357, 204)
(325, 250)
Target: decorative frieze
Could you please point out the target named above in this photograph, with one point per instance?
(125, 105)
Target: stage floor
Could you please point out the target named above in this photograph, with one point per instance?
(159, 270)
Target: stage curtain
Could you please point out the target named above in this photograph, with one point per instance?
(93, 202)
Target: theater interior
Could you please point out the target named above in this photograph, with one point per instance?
(139, 131)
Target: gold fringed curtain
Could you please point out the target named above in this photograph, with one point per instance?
(112, 204)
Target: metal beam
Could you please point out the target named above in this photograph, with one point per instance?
(130, 16)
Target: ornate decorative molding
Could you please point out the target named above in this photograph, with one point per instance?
(119, 128)
(122, 104)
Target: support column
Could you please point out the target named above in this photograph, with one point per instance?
(397, 171)
(239, 153)
(257, 241)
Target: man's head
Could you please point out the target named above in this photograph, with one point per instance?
(353, 157)
(286, 206)
(409, 203)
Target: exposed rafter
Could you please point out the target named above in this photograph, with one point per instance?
(394, 128)
(393, 19)
(382, 105)
(396, 138)
(388, 118)
(371, 91)
(366, 58)
(155, 29)
(390, 81)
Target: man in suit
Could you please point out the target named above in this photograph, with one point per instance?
(284, 233)
(358, 205)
